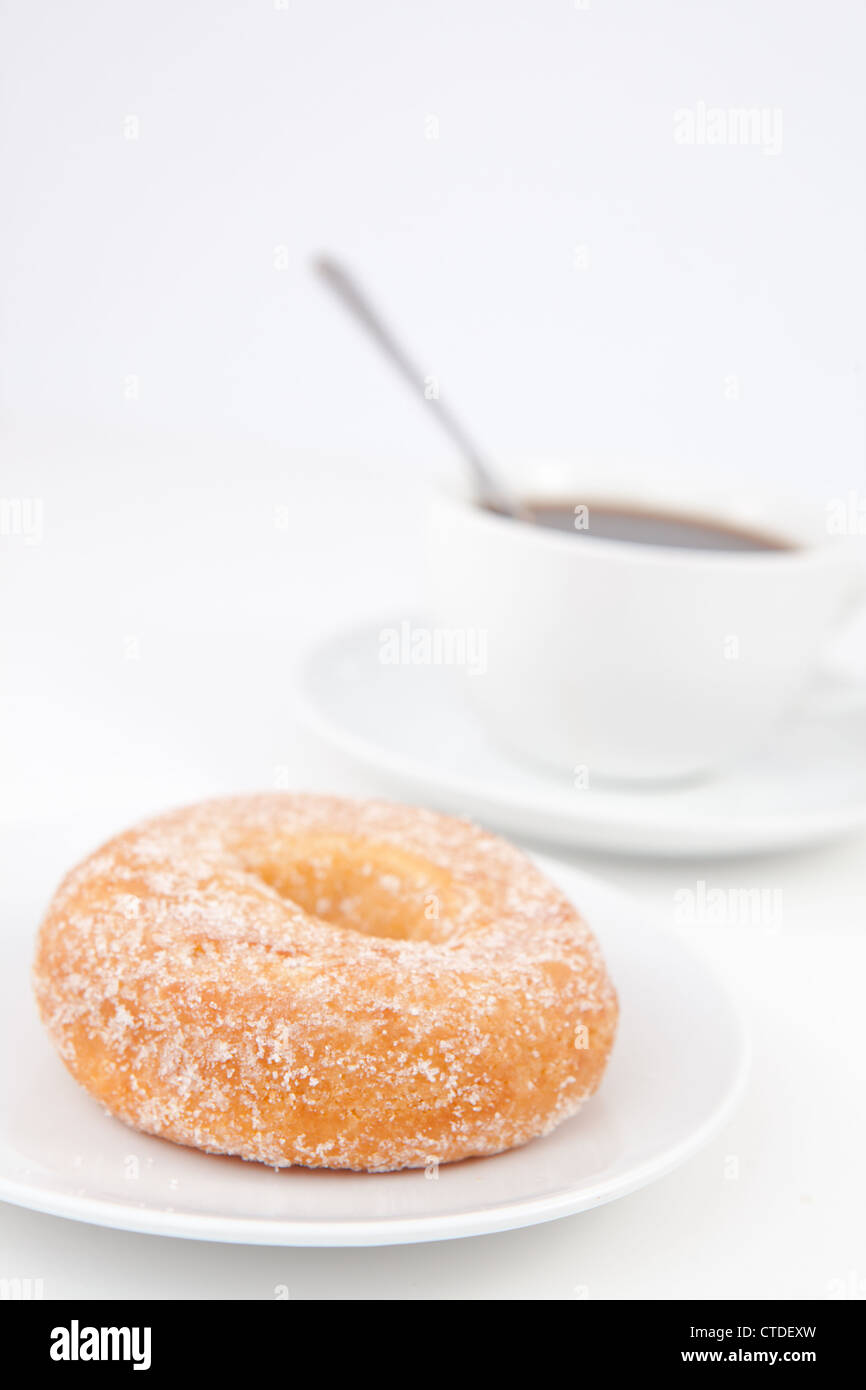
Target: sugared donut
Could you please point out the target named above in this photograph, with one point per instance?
(319, 981)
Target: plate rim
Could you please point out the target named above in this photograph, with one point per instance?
(387, 1231)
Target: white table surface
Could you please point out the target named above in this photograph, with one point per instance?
(149, 642)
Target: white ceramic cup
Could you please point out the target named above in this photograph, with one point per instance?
(637, 662)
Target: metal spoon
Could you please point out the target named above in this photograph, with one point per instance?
(490, 492)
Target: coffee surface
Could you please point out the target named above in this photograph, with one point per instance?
(645, 527)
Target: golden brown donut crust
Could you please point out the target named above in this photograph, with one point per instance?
(313, 980)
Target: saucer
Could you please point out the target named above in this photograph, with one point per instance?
(413, 729)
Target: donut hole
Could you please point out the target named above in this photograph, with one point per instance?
(362, 886)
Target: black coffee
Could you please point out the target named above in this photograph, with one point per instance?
(605, 522)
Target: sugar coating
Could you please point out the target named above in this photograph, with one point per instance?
(313, 980)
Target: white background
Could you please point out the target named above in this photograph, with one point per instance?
(268, 131)
(167, 387)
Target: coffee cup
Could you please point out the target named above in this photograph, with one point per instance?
(629, 659)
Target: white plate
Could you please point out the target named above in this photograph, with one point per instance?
(412, 727)
(676, 1071)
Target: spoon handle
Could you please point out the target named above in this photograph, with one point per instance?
(347, 289)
